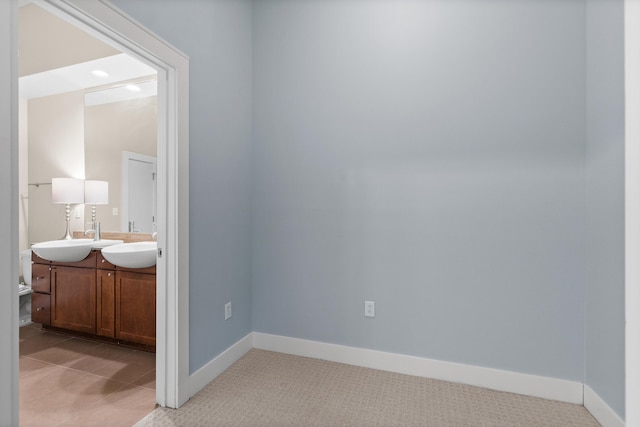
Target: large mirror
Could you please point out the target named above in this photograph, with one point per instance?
(86, 110)
(120, 147)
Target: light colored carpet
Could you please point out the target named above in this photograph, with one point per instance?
(272, 389)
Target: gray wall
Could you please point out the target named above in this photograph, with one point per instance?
(444, 179)
(216, 35)
(604, 371)
(428, 156)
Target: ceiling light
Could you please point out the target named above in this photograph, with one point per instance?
(100, 73)
(133, 88)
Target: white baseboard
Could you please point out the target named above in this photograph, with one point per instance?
(495, 379)
(203, 376)
(600, 410)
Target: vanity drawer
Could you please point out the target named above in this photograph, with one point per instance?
(41, 308)
(41, 278)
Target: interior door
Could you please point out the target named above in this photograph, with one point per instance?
(142, 190)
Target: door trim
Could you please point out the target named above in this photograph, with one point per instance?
(9, 212)
(106, 22)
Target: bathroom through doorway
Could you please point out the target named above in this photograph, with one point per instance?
(108, 24)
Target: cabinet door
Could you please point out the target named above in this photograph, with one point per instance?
(136, 307)
(41, 308)
(73, 298)
(41, 278)
(106, 303)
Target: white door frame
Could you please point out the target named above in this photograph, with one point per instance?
(9, 212)
(106, 22)
(632, 211)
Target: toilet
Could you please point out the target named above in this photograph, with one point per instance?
(24, 288)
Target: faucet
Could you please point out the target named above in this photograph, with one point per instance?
(95, 229)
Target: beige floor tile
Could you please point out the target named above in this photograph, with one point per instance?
(94, 386)
(52, 394)
(147, 380)
(47, 380)
(57, 386)
(97, 358)
(130, 368)
(39, 342)
(28, 419)
(26, 332)
(70, 397)
(31, 367)
(62, 353)
(122, 408)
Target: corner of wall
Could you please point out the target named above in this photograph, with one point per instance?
(600, 410)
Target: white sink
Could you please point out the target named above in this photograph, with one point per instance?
(69, 250)
(132, 255)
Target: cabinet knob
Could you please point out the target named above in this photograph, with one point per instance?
(102, 260)
(109, 274)
(39, 308)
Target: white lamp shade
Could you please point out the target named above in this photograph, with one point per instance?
(67, 190)
(96, 192)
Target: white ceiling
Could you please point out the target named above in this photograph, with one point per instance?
(120, 68)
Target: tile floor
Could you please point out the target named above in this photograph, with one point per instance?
(69, 381)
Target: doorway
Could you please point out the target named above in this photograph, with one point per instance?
(92, 117)
(116, 29)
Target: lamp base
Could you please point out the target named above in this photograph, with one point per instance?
(67, 235)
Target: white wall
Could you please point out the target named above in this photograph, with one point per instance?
(23, 186)
(56, 149)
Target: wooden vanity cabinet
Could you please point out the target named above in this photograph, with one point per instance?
(136, 307)
(95, 297)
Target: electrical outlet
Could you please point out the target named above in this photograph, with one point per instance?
(115, 211)
(369, 309)
(227, 310)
